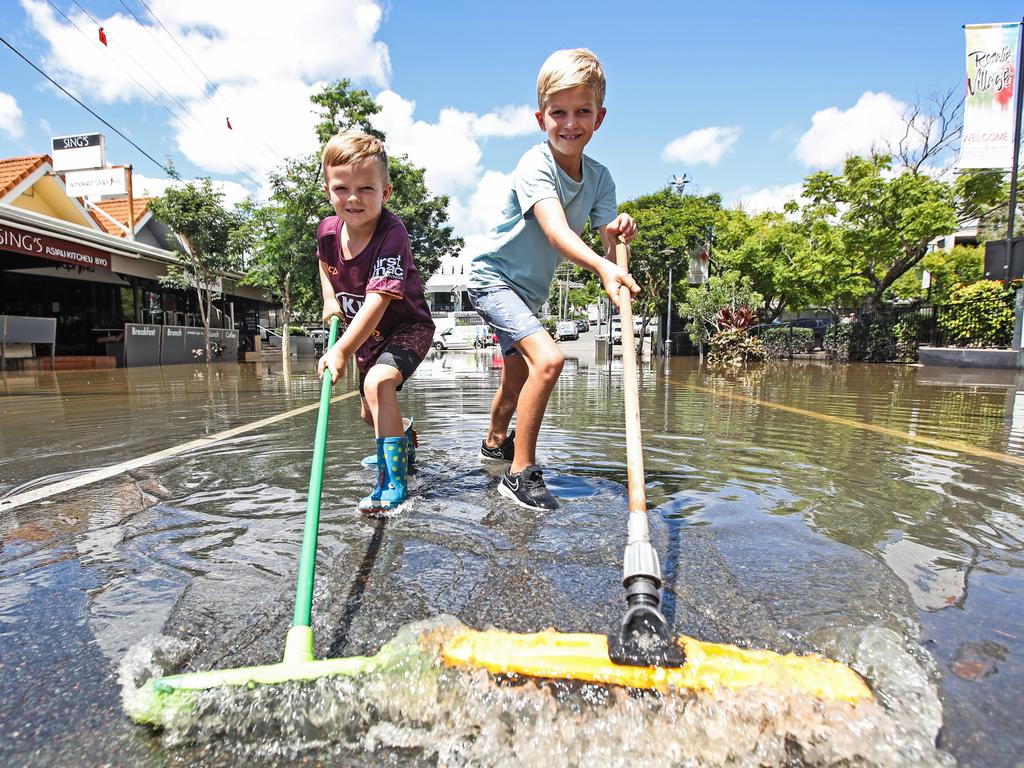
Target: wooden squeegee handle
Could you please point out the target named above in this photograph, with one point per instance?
(631, 391)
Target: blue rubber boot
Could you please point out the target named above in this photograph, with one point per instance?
(411, 436)
(372, 501)
(396, 460)
(392, 475)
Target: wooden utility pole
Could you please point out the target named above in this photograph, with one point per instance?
(131, 202)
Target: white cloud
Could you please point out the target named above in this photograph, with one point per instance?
(506, 121)
(705, 145)
(449, 149)
(231, 41)
(145, 186)
(446, 149)
(269, 121)
(484, 207)
(11, 121)
(770, 198)
(874, 122)
(265, 65)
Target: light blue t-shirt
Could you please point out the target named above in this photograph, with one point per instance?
(517, 253)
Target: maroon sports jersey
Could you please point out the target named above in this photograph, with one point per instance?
(384, 266)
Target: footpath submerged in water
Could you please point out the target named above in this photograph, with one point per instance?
(769, 540)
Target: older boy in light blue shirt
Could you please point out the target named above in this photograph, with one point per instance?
(556, 190)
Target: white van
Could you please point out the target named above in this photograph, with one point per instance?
(566, 330)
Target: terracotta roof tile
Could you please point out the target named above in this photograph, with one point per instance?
(118, 209)
(14, 170)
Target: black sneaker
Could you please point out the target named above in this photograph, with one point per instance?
(504, 452)
(527, 489)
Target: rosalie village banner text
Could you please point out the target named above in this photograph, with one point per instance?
(989, 108)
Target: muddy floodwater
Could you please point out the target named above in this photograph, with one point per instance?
(870, 513)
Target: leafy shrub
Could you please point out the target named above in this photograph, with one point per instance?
(978, 315)
(294, 330)
(907, 332)
(549, 324)
(860, 341)
(734, 347)
(879, 341)
(880, 338)
(838, 340)
(783, 342)
(742, 317)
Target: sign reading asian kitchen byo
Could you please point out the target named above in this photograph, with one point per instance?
(45, 247)
(96, 183)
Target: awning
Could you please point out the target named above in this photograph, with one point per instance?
(445, 284)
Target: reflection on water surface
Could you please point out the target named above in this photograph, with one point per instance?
(872, 512)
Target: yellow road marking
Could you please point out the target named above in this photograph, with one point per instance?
(948, 445)
(45, 491)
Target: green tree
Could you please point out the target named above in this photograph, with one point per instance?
(963, 265)
(670, 228)
(343, 109)
(730, 290)
(775, 254)
(987, 196)
(277, 237)
(203, 241)
(882, 221)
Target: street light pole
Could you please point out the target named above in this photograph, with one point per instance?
(669, 252)
(668, 317)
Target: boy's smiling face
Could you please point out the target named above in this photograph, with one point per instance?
(570, 118)
(357, 192)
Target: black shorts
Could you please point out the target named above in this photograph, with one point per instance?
(403, 350)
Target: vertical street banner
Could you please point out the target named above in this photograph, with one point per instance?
(989, 107)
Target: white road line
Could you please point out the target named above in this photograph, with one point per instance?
(96, 476)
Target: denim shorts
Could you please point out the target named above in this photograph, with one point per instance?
(506, 313)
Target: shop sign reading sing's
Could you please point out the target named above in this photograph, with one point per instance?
(78, 152)
(45, 247)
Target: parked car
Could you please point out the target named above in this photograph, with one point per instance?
(450, 339)
(818, 325)
(582, 326)
(566, 330)
(759, 328)
(616, 331)
(319, 336)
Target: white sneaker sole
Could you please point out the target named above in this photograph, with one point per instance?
(484, 457)
(508, 494)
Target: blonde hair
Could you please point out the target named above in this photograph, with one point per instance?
(568, 68)
(352, 146)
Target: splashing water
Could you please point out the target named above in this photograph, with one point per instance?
(432, 714)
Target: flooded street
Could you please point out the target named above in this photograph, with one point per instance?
(871, 513)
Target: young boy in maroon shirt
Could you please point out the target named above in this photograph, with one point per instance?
(368, 277)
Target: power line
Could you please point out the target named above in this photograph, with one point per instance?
(176, 116)
(82, 32)
(200, 69)
(91, 18)
(81, 104)
(275, 157)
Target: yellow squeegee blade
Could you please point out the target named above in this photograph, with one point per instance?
(555, 655)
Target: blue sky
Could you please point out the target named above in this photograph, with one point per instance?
(745, 98)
